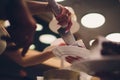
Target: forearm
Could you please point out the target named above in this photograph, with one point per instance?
(37, 7)
(31, 58)
(36, 57)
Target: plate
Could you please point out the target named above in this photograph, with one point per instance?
(63, 51)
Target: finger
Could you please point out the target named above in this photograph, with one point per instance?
(74, 58)
(71, 59)
(62, 44)
(68, 59)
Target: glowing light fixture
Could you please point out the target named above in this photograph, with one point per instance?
(47, 38)
(91, 41)
(32, 46)
(7, 23)
(4, 23)
(39, 27)
(114, 37)
(59, 0)
(93, 20)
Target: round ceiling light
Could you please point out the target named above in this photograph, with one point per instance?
(39, 27)
(7, 23)
(47, 38)
(32, 46)
(59, 0)
(113, 37)
(91, 42)
(93, 20)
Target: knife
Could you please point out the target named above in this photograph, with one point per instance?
(67, 36)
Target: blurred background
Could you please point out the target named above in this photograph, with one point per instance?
(93, 17)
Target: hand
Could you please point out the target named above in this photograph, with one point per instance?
(22, 23)
(106, 47)
(48, 51)
(72, 59)
(22, 37)
(64, 18)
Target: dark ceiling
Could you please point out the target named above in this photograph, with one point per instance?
(109, 8)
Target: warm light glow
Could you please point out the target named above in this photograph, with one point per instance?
(47, 38)
(59, 0)
(93, 20)
(7, 23)
(39, 27)
(32, 46)
(114, 37)
(91, 41)
(4, 23)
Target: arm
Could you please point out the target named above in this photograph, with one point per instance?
(21, 19)
(22, 24)
(37, 7)
(32, 57)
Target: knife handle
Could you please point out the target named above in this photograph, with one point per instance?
(55, 8)
(67, 36)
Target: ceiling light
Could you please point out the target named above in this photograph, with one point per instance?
(39, 27)
(93, 20)
(114, 37)
(91, 42)
(59, 0)
(4, 23)
(32, 46)
(47, 38)
(7, 23)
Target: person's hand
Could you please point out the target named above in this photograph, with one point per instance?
(49, 49)
(48, 52)
(22, 37)
(64, 18)
(72, 59)
(22, 24)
